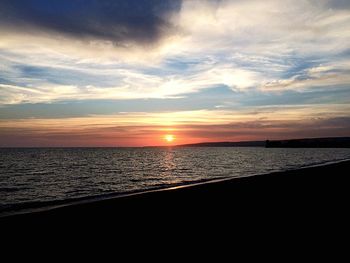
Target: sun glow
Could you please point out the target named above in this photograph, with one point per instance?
(169, 137)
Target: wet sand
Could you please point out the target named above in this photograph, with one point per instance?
(302, 195)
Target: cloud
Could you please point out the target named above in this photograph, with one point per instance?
(121, 22)
(52, 84)
(323, 75)
(280, 63)
(337, 4)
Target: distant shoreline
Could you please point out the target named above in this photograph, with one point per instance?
(326, 142)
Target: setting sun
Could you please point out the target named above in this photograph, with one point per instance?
(169, 137)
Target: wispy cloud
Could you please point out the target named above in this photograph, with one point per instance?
(240, 44)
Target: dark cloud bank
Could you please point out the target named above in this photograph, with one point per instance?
(121, 21)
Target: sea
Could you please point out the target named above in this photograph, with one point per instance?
(44, 177)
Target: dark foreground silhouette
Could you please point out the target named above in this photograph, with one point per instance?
(331, 142)
(328, 142)
(305, 196)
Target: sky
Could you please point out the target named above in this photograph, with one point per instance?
(130, 72)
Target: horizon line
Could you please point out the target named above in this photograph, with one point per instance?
(180, 145)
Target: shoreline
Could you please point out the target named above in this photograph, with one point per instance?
(37, 207)
(295, 187)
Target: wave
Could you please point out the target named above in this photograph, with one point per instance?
(37, 206)
(12, 189)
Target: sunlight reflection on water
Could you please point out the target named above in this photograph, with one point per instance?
(51, 174)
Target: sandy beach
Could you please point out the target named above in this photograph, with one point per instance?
(303, 194)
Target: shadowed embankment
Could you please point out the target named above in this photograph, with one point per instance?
(305, 194)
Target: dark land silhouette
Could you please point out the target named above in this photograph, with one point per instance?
(336, 142)
(331, 142)
(226, 144)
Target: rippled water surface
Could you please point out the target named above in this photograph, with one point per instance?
(40, 175)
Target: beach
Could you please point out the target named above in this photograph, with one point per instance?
(303, 194)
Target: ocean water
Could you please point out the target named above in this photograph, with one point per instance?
(43, 176)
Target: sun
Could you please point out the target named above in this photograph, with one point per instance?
(169, 137)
